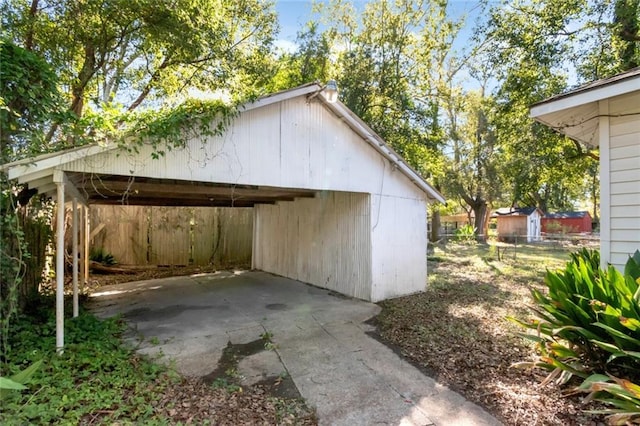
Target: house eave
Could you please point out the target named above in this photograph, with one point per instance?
(575, 113)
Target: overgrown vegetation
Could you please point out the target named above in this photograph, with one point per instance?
(588, 325)
(465, 234)
(24, 235)
(100, 255)
(100, 380)
(96, 377)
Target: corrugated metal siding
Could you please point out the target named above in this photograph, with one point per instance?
(624, 177)
(324, 241)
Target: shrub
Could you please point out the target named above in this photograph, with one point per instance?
(589, 323)
(100, 255)
(622, 394)
(466, 234)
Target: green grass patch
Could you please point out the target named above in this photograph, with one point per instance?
(97, 379)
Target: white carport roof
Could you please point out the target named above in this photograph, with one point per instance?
(43, 172)
(575, 113)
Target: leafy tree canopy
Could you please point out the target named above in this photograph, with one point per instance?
(126, 54)
(29, 100)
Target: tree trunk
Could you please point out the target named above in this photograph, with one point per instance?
(89, 68)
(435, 225)
(480, 222)
(33, 10)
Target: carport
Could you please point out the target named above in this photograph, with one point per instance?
(334, 206)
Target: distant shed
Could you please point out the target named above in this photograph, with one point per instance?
(519, 222)
(567, 222)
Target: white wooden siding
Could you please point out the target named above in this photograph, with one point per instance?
(534, 227)
(623, 178)
(324, 241)
(290, 144)
(399, 256)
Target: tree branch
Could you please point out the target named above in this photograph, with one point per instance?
(33, 10)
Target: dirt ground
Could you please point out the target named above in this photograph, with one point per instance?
(458, 333)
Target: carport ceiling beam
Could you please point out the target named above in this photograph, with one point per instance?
(180, 202)
(146, 189)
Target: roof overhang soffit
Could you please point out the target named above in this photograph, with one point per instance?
(575, 114)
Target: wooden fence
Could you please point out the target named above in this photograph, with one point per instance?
(138, 235)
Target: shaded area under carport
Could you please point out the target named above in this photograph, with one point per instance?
(320, 340)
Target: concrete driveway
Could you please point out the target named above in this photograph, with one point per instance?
(319, 340)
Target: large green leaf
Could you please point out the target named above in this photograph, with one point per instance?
(630, 323)
(25, 375)
(632, 267)
(618, 334)
(581, 330)
(10, 384)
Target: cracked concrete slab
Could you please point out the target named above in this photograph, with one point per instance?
(319, 339)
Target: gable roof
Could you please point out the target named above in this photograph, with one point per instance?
(567, 215)
(39, 172)
(576, 112)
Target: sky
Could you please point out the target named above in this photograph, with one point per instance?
(293, 14)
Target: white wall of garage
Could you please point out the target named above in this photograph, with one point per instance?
(290, 144)
(399, 246)
(325, 241)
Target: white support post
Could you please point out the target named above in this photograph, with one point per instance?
(86, 246)
(60, 268)
(74, 241)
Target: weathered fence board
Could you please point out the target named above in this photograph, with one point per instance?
(222, 235)
(124, 234)
(169, 235)
(174, 236)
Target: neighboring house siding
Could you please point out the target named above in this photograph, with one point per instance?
(557, 225)
(325, 241)
(624, 177)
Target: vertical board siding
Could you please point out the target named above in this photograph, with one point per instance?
(137, 235)
(624, 182)
(222, 235)
(295, 144)
(512, 225)
(324, 241)
(327, 241)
